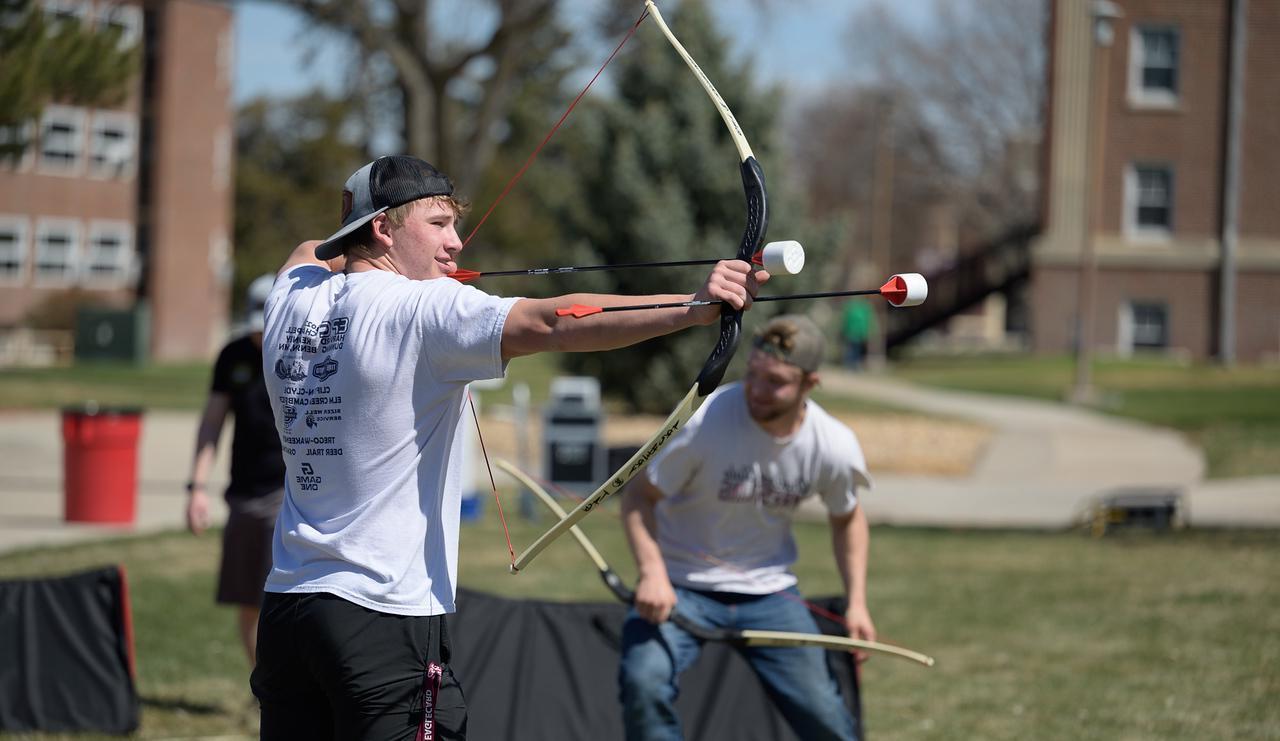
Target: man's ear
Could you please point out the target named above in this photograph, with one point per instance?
(811, 381)
(380, 228)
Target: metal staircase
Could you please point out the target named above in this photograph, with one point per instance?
(1004, 263)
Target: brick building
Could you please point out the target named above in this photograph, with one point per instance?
(133, 206)
(1143, 183)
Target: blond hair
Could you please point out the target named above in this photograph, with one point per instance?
(359, 243)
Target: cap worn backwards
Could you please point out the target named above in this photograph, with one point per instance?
(383, 184)
(793, 339)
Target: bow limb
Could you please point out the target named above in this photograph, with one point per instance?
(736, 637)
(757, 213)
(730, 319)
(674, 421)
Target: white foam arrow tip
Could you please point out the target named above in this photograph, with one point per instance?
(905, 289)
(783, 258)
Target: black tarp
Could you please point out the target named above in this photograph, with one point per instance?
(66, 654)
(537, 670)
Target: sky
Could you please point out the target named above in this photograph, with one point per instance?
(797, 43)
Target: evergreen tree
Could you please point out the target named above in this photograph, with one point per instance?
(292, 157)
(43, 60)
(651, 173)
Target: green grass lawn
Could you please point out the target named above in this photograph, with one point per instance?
(1037, 636)
(1233, 414)
(185, 386)
(109, 384)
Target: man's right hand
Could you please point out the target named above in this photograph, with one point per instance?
(655, 599)
(197, 512)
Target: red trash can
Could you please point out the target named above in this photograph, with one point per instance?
(100, 463)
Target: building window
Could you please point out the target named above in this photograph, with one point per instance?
(1153, 66)
(17, 136)
(1144, 325)
(109, 262)
(220, 258)
(1149, 200)
(126, 18)
(57, 251)
(226, 64)
(14, 250)
(112, 144)
(61, 139)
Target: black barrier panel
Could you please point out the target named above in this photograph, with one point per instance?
(538, 670)
(65, 654)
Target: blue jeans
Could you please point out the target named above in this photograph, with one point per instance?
(797, 679)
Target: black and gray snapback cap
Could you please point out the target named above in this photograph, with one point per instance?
(383, 184)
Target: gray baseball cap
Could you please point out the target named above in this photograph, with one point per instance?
(256, 300)
(794, 339)
(383, 184)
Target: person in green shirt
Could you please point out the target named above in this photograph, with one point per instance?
(857, 324)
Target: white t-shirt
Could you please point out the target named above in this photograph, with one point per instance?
(730, 490)
(367, 374)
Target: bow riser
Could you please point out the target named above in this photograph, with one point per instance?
(752, 237)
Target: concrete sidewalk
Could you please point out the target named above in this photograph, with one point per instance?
(1048, 464)
(31, 493)
(1045, 467)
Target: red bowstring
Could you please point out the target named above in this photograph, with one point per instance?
(511, 184)
(492, 484)
(815, 609)
(520, 173)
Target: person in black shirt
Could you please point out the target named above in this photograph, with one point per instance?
(257, 469)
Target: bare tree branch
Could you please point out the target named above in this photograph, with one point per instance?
(452, 90)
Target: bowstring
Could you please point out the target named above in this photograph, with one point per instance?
(537, 150)
(507, 189)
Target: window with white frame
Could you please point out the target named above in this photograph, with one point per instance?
(226, 56)
(14, 249)
(1149, 200)
(223, 148)
(126, 18)
(109, 261)
(1144, 325)
(112, 144)
(57, 251)
(1153, 65)
(61, 139)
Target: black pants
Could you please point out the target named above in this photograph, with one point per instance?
(330, 669)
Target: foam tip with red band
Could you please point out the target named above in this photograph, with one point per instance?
(905, 289)
(781, 258)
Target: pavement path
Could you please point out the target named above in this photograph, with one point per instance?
(1045, 466)
(31, 492)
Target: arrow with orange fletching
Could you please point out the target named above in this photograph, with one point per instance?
(906, 289)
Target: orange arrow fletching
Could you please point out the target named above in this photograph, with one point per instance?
(462, 275)
(577, 311)
(894, 290)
